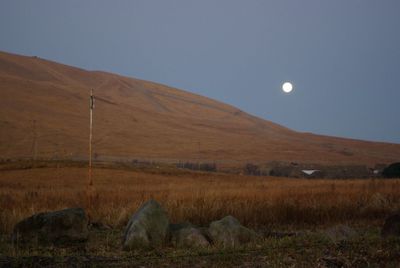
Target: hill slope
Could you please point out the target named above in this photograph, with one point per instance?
(44, 113)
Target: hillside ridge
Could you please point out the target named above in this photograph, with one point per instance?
(44, 114)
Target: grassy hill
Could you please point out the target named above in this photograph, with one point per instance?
(44, 114)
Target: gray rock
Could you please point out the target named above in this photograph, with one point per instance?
(189, 237)
(173, 227)
(391, 226)
(228, 232)
(148, 227)
(58, 227)
(340, 233)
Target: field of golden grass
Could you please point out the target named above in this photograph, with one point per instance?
(258, 202)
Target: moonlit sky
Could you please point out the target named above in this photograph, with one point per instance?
(342, 56)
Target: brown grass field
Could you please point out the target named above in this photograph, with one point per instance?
(263, 203)
(197, 197)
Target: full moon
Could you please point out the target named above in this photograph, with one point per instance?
(287, 87)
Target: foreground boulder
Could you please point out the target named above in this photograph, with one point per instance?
(340, 233)
(188, 236)
(148, 227)
(173, 227)
(58, 227)
(228, 232)
(391, 226)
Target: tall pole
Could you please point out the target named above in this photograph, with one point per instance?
(90, 136)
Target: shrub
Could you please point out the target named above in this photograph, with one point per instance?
(251, 169)
(392, 171)
(210, 167)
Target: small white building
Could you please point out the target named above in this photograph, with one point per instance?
(309, 172)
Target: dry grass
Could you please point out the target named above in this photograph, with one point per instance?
(196, 197)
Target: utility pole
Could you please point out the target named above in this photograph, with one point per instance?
(90, 189)
(91, 107)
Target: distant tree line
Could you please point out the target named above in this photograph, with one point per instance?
(251, 169)
(209, 167)
(392, 171)
(255, 170)
(338, 172)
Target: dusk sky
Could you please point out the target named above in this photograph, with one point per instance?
(342, 56)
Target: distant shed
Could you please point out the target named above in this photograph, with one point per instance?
(309, 172)
(312, 173)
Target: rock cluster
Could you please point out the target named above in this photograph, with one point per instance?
(149, 227)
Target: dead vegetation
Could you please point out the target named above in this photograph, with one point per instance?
(258, 202)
